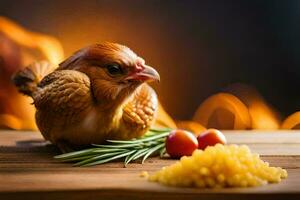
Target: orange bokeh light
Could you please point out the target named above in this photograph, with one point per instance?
(240, 106)
(18, 112)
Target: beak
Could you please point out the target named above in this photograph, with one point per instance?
(147, 74)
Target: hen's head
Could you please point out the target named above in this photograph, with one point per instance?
(115, 70)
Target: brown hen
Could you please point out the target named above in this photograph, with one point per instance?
(99, 93)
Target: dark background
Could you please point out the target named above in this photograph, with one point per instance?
(199, 47)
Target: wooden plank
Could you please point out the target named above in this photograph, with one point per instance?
(28, 171)
(119, 179)
(264, 143)
(263, 137)
(234, 136)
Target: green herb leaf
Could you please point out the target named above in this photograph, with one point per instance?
(74, 154)
(135, 156)
(117, 146)
(108, 159)
(151, 151)
(91, 160)
(153, 141)
(162, 152)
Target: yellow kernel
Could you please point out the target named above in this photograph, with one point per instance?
(210, 182)
(144, 174)
(204, 171)
(220, 166)
(217, 169)
(243, 183)
(200, 183)
(221, 178)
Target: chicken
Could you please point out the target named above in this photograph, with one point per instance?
(99, 93)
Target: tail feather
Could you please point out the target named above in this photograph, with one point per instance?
(27, 79)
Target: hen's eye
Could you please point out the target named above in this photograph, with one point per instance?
(114, 69)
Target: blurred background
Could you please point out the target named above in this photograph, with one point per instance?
(198, 47)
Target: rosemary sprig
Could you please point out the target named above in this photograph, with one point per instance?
(151, 143)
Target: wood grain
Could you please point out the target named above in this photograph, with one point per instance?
(28, 171)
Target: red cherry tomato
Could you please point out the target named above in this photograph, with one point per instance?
(181, 143)
(210, 137)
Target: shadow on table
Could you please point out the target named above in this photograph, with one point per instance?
(33, 145)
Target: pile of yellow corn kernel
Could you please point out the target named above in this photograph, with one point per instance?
(220, 166)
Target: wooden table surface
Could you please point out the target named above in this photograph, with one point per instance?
(28, 171)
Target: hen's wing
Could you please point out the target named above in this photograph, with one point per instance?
(61, 99)
(63, 91)
(139, 113)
